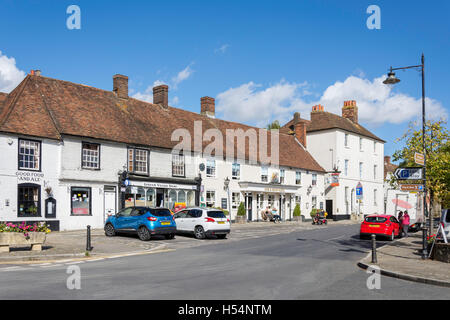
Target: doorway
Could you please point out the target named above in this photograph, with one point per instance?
(109, 201)
(249, 202)
(329, 208)
(159, 198)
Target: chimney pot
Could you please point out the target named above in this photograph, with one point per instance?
(208, 106)
(120, 86)
(161, 95)
(350, 110)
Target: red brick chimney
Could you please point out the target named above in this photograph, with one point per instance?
(316, 111)
(387, 159)
(120, 86)
(161, 95)
(208, 106)
(299, 129)
(350, 110)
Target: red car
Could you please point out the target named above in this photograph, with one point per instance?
(380, 225)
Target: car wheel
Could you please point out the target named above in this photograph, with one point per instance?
(170, 236)
(392, 237)
(143, 234)
(222, 236)
(362, 236)
(109, 230)
(199, 233)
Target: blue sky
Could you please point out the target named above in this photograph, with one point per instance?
(261, 60)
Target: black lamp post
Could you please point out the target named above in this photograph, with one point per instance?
(392, 79)
(227, 187)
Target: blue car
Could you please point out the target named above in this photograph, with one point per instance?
(144, 221)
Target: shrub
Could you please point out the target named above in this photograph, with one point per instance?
(313, 213)
(225, 212)
(297, 211)
(241, 209)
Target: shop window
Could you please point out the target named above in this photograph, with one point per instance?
(138, 161)
(81, 201)
(298, 200)
(140, 197)
(172, 198)
(29, 200)
(29, 155)
(178, 165)
(211, 168)
(190, 198)
(210, 198)
(181, 196)
(236, 171)
(90, 155)
(150, 198)
(271, 200)
(261, 201)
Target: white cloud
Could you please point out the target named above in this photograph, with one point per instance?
(147, 95)
(377, 102)
(181, 76)
(10, 75)
(222, 48)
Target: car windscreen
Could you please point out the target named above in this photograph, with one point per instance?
(216, 214)
(160, 212)
(375, 219)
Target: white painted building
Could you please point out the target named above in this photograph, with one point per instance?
(341, 144)
(66, 149)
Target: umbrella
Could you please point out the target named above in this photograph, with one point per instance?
(402, 203)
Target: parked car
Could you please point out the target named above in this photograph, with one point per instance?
(380, 225)
(202, 222)
(144, 221)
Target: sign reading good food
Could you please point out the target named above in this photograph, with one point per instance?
(26, 176)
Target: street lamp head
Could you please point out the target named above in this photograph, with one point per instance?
(227, 182)
(391, 79)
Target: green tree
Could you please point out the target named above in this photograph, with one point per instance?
(437, 150)
(241, 209)
(297, 211)
(274, 125)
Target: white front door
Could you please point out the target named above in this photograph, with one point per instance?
(109, 201)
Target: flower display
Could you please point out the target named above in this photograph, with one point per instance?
(25, 229)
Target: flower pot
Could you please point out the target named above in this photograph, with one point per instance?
(241, 219)
(298, 218)
(35, 240)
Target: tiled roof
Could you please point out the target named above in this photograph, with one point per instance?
(50, 108)
(3, 97)
(325, 120)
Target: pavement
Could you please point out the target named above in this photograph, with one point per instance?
(71, 245)
(285, 262)
(403, 259)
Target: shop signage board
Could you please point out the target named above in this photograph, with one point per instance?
(409, 173)
(335, 179)
(419, 159)
(162, 185)
(411, 187)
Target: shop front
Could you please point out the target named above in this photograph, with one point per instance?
(165, 194)
(261, 196)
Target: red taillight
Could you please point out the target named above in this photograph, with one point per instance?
(207, 219)
(152, 219)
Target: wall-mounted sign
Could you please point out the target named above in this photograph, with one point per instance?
(419, 159)
(27, 176)
(359, 191)
(335, 179)
(162, 185)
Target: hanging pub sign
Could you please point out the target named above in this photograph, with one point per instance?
(335, 179)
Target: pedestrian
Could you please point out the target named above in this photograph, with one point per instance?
(405, 223)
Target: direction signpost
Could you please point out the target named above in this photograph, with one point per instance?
(412, 187)
(411, 173)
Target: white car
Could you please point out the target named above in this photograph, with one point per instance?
(202, 222)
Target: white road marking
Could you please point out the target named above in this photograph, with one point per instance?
(13, 269)
(75, 262)
(52, 266)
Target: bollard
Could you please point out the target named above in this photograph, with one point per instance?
(374, 249)
(88, 239)
(424, 243)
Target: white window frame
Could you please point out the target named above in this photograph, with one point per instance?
(134, 162)
(282, 175)
(178, 165)
(361, 170)
(235, 202)
(298, 177)
(360, 144)
(314, 179)
(375, 172)
(375, 197)
(90, 159)
(211, 167)
(264, 173)
(32, 150)
(209, 198)
(345, 139)
(233, 175)
(346, 162)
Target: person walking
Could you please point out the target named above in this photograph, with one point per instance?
(405, 223)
